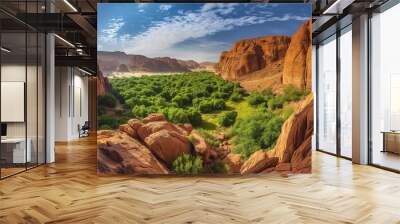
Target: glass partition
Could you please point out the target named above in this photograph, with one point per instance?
(385, 89)
(346, 92)
(327, 95)
(22, 77)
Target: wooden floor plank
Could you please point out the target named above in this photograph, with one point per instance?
(70, 191)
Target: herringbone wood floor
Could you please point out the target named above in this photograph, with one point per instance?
(70, 191)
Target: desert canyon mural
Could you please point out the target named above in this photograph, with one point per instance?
(186, 95)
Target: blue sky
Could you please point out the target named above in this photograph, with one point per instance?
(192, 31)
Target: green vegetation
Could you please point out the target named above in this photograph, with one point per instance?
(183, 98)
(261, 129)
(211, 104)
(188, 164)
(227, 118)
(108, 100)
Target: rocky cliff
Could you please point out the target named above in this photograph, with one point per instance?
(248, 56)
(297, 64)
(270, 61)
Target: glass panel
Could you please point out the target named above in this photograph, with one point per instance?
(13, 80)
(346, 93)
(41, 98)
(385, 84)
(31, 98)
(327, 96)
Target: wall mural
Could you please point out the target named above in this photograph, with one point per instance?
(199, 89)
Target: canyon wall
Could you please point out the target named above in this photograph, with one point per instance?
(270, 61)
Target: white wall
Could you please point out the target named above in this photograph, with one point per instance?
(71, 103)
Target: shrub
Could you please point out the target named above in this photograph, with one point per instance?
(194, 117)
(219, 167)
(236, 97)
(108, 100)
(206, 106)
(227, 119)
(107, 121)
(255, 99)
(105, 127)
(292, 93)
(141, 111)
(188, 164)
(178, 115)
(182, 100)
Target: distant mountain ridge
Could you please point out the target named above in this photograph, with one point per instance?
(118, 61)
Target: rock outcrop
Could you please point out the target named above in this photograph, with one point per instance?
(294, 144)
(103, 85)
(168, 145)
(203, 149)
(248, 56)
(297, 65)
(118, 153)
(234, 162)
(258, 162)
(270, 61)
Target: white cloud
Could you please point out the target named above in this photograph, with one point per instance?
(110, 33)
(286, 17)
(163, 35)
(165, 7)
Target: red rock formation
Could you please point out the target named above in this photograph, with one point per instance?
(168, 145)
(203, 149)
(248, 56)
(118, 153)
(103, 85)
(234, 162)
(129, 130)
(154, 117)
(294, 143)
(147, 129)
(297, 65)
(258, 162)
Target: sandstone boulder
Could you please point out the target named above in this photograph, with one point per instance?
(297, 63)
(187, 127)
(234, 162)
(121, 154)
(154, 117)
(168, 145)
(258, 162)
(104, 134)
(128, 130)
(147, 129)
(135, 124)
(203, 149)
